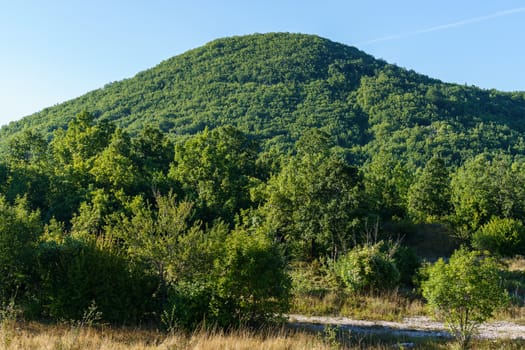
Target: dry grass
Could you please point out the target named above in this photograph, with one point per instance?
(29, 336)
(391, 306)
(516, 264)
(63, 337)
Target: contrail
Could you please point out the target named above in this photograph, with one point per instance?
(444, 26)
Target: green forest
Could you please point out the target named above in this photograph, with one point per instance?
(229, 182)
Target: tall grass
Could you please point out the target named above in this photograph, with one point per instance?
(388, 306)
(63, 337)
(29, 336)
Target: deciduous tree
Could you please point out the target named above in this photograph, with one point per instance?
(465, 292)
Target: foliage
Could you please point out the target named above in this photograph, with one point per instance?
(465, 291)
(387, 181)
(209, 275)
(78, 272)
(253, 285)
(19, 230)
(215, 169)
(313, 204)
(367, 268)
(487, 186)
(407, 263)
(503, 237)
(429, 195)
(157, 238)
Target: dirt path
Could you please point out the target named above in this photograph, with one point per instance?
(412, 327)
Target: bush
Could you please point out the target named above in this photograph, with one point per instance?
(313, 279)
(251, 280)
(465, 291)
(503, 237)
(247, 284)
(19, 231)
(188, 306)
(407, 263)
(367, 268)
(76, 273)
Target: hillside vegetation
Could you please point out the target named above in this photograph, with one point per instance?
(276, 86)
(229, 181)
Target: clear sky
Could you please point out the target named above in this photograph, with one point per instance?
(55, 50)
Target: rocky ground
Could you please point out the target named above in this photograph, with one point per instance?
(412, 327)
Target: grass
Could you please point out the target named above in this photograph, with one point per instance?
(389, 306)
(63, 337)
(30, 336)
(316, 292)
(516, 264)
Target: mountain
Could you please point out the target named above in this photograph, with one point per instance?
(276, 86)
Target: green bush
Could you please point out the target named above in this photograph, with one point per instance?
(188, 306)
(246, 286)
(312, 279)
(251, 280)
(407, 263)
(367, 268)
(19, 231)
(76, 273)
(500, 236)
(465, 291)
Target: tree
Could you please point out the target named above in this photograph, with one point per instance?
(74, 152)
(76, 269)
(387, 181)
(152, 153)
(155, 236)
(429, 196)
(465, 291)
(28, 172)
(28, 147)
(487, 186)
(215, 169)
(206, 274)
(112, 167)
(252, 284)
(314, 203)
(19, 232)
(370, 267)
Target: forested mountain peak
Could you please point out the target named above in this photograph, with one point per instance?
(276, 86)
(268, 59)
(197, 88)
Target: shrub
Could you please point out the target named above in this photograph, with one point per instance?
(407, 263)
(251, 280)
(504, 237)
(188, 306)
(367, 268)
(246, 284)
(313, 279)
(465, 291)
(76, 273)
(19, 231)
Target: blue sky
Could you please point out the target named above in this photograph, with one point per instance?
(55, 50)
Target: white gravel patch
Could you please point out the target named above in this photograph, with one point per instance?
(413, 326)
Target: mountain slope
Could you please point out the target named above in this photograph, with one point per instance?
(276, 86)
